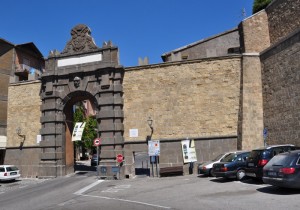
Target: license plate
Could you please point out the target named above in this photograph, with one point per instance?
(272, 173)
(250, 164)
(13, 173)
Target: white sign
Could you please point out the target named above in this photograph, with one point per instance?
(133, 133)
(79, 60)
(78, 130)
(38, 138)
(153, 148)
(188, 151)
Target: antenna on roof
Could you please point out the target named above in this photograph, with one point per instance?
(243, 13)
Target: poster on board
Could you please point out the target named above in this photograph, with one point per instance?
(153, 148)
(188, 151)
(77, 131)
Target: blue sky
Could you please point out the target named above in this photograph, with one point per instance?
(139, 28)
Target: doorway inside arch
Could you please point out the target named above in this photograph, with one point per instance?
(82, 107)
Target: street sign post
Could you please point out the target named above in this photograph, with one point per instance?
(119, 158)
(97, 142)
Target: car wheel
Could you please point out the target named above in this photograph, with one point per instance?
(240, 174)
(212, 173)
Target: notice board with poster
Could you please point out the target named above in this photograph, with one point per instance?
(188, 151)
(78, 130)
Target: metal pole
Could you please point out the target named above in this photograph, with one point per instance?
(152, 166)
(156, 160)
(98, 162)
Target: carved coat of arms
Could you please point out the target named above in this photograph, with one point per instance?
(81, 40)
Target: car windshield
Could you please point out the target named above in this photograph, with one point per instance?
(282, 160)
(218, 157)
(12, 168)
(230, 158)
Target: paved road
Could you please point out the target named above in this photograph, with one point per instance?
(84, 191)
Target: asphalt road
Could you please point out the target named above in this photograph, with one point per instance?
(84, 191)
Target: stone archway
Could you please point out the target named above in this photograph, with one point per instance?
(72, 99)
(82, 69)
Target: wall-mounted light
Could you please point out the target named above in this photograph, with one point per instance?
(19, 131)
(150, 121)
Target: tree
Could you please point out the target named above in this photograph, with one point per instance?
(89, 132)
(260, 5)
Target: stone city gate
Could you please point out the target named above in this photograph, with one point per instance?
(81, 71)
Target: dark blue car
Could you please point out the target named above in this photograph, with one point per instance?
(283, 170)
(232, 166)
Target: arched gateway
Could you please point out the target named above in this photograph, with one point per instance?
(82, 71)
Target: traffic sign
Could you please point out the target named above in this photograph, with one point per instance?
(97, 142)
(119, 158)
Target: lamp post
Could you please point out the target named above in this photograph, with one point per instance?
(152, 158)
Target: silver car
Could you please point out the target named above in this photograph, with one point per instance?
(206, 168)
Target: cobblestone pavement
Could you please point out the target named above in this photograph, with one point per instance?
(19, 183)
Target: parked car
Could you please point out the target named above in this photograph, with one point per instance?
(283, 170)
(261, 156)
(94, 160)
(232, 166)
(9, 172)
(206, 168)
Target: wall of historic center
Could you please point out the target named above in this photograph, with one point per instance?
(284, 18)
(281, 91)
(187, 99)
(24, 112)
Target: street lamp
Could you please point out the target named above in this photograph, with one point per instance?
(19, 131)
(150, 121)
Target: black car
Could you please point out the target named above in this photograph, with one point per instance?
(94, 160)
(283, 170)
(232, 166)
(261, 156)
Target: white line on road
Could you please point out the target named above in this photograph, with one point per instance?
(129, 201)
(80, 192)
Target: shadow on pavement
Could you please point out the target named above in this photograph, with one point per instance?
(278, 190)
(252, 181)
(221, 180)
(202, 176)
(81, 167)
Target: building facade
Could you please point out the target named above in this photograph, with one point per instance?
(18, 63)
(203, 92)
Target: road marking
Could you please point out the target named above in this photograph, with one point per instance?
(80, 192)
(129, 201)
(117, 188)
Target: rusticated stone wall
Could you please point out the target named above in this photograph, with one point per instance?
(281, 91)
(284, 18)
(184, 99)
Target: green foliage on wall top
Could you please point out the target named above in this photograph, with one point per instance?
(260, 5)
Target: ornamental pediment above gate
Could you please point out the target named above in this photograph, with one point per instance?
(81, 41)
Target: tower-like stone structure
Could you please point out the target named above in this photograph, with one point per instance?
(82, 71)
